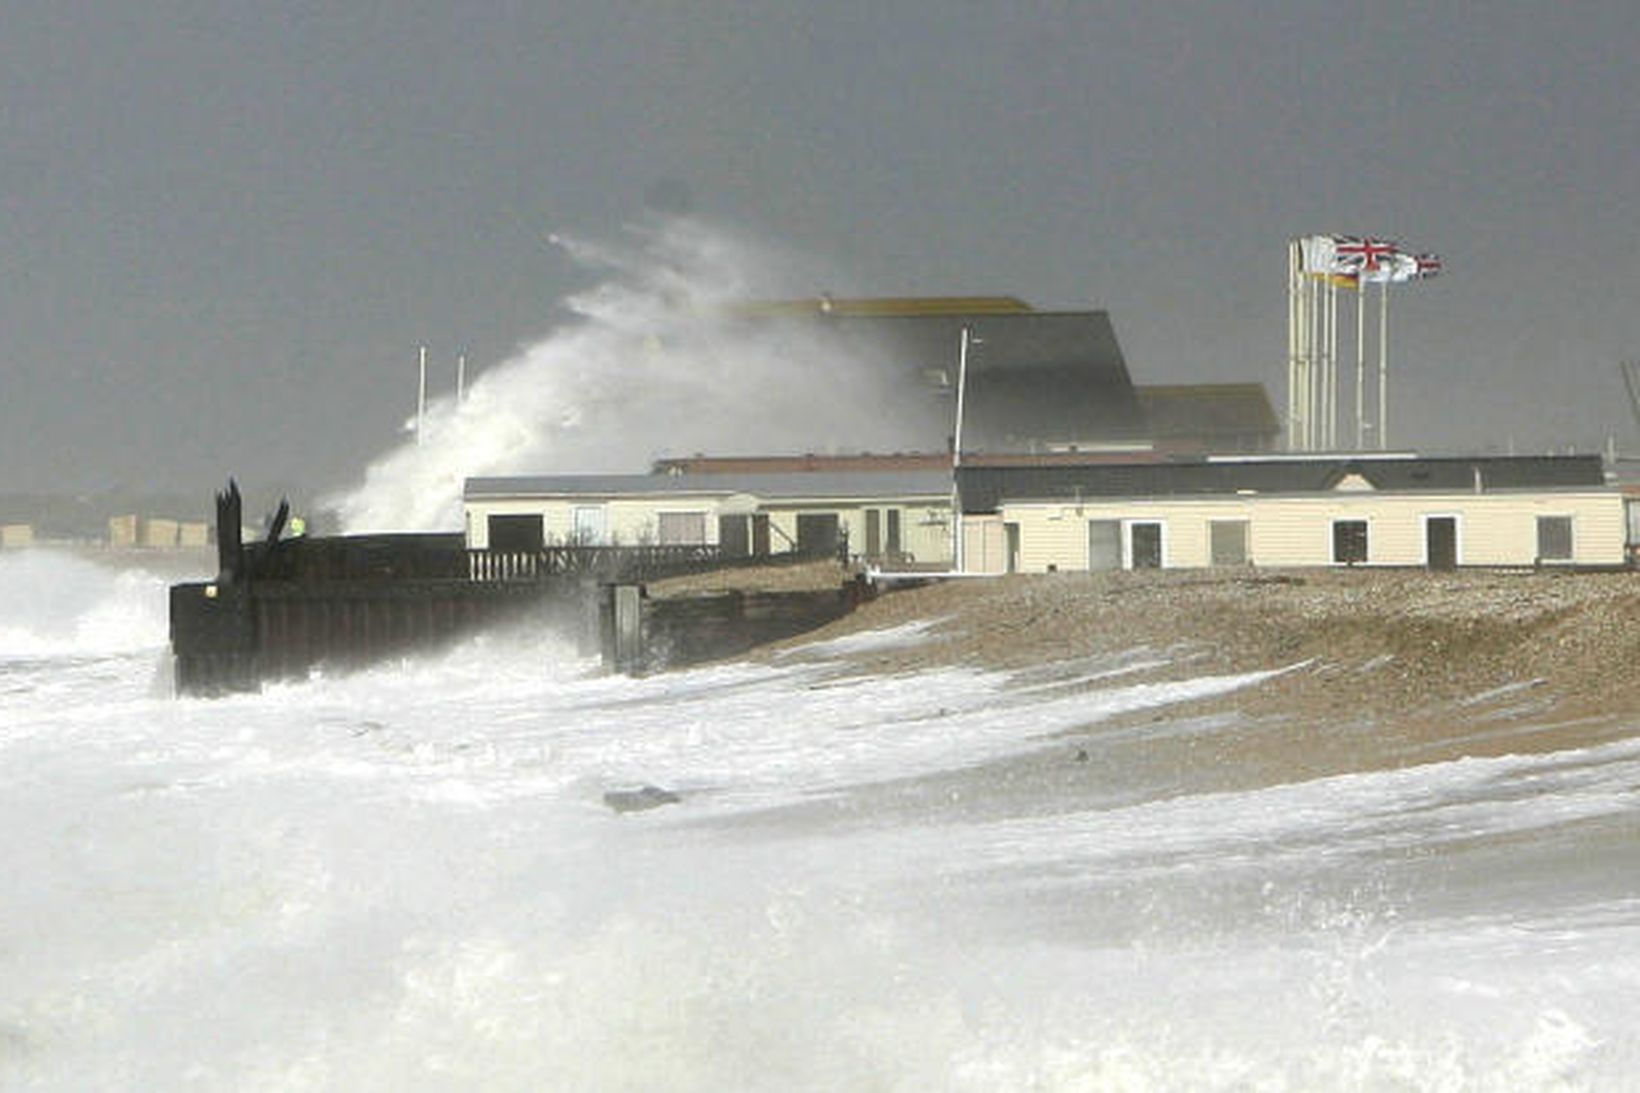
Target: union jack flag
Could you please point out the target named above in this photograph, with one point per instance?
(1429, 265)
(1362, 254)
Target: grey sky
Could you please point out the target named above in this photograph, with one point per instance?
(225, 227)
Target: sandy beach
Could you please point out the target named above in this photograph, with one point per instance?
(1374, 667)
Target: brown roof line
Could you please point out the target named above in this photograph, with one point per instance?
(703, 464)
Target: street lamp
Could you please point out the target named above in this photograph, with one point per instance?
(956, 450)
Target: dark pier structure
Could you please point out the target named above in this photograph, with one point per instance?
(283, 606)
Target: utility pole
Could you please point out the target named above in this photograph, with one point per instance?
(956, 453)
(421, 395)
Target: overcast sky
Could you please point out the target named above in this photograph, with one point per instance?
(225, 227)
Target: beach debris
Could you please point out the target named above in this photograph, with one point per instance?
(641, 799)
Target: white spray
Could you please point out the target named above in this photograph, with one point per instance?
(655, 361)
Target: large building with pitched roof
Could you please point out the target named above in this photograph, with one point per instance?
(1036, 382)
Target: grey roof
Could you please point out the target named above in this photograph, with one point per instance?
(984, 488)
(1209, 411)
(1034, 378)
(800, 485)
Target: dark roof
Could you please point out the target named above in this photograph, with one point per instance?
(886, 305)
(984, 488)
(1034, 378)
(787, 464)
(829, 485)
(1208, 412)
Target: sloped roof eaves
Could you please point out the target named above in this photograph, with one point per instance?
(793, 486)
(984, 488)
(1213, 409)
(1081, 340)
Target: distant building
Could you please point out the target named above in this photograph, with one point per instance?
(16, 536)
(122, 531)
(159, 533)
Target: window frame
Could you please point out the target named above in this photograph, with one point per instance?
(1565, 519)
(1338, 552)
(1246, 527)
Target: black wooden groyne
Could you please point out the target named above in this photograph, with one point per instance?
(283, 606)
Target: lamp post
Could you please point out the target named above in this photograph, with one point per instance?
(421, 392)
(956, 453)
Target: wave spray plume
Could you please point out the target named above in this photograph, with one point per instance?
(656, 359)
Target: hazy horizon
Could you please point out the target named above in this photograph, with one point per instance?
(226, 231)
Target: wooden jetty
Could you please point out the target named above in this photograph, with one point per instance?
(284, 606)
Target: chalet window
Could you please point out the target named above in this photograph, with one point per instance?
(682, 528)
(519, 534)
(1349, 541)
(590, 525)
(1554, 538)
(1227, 541)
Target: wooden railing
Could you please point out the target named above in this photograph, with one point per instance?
(604, 562)
(624, 563)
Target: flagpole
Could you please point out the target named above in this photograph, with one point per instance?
(1306, 366)
(1312, 372)
(1295, 264)
(1360, 365)
(1326, 362)
(1318, 384)
(1323, 362)
(1332, 364)
(1383, 367)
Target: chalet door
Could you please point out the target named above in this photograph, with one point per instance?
(1441, 541)
(1104, 544)
(732, 536)
(893, 544)
(1011, 531)
(760, 535)
(1145, 545)
(874, 533)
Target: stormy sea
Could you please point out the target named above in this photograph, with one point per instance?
(835, 868)
(496, 868)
